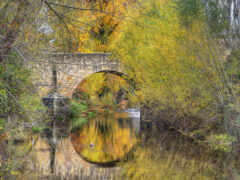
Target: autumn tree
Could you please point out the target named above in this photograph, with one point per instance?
(22, 37)
(170, 63)
(94, 28)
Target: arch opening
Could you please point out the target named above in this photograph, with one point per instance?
(105, 86)
(108, 135)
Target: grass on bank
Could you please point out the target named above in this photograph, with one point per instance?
(174, 161)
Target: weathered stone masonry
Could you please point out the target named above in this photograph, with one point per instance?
(71, 68)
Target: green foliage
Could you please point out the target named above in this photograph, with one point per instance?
(91, 115)
(33, 103)
(232, 66)
(189, 10)
(14, 82)
(222, 142)
(2, 121)
(32, 108)
(216, 17)
(209, 11)
(78, 122)
(77, 109)
(3, 101)
(37, 129)
(16, 96)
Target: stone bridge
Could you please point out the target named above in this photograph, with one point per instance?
(71, 69)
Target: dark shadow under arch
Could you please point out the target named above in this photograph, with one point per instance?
(122, 75)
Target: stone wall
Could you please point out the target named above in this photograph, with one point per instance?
(71, 70)
(68, 163)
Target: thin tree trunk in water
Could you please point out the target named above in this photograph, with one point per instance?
(53, 123)
(3, 152)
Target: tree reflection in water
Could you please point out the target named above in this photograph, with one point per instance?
(106, 138)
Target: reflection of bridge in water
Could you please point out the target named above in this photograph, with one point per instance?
(68, 163)
(70, 70)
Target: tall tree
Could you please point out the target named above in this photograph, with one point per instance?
(170, 62)
(22, 25)
(93, 28)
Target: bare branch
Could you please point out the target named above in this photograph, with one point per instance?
(60, 17)
(78, 8)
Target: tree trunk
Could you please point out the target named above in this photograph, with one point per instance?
(13, 29)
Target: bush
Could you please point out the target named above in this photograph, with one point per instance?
(77, 112)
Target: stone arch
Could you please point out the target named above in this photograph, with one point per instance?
(71, 69)
(133, 111)
(118, 73)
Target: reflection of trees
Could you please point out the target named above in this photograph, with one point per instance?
(104, 139)
(108, 137)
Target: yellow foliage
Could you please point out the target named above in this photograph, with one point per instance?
(102, 147)
(170, 63)
(94, 29)
(94, 85)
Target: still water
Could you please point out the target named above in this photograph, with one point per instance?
(108, 136)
